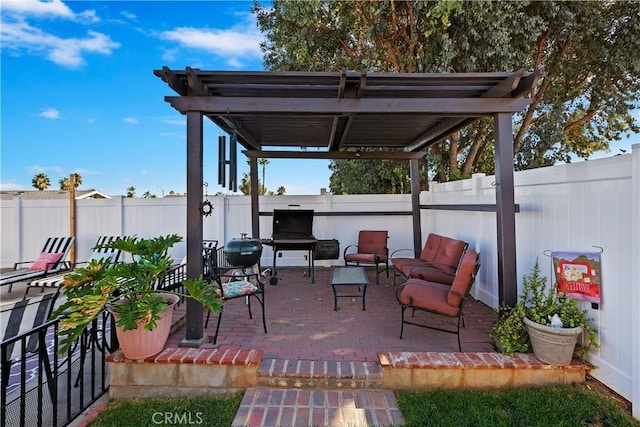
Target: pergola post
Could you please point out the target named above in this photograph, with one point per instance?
(194, 325)
(255, 206)
(415, 205)
(505, 210)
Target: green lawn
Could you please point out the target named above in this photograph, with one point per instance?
(567, 405)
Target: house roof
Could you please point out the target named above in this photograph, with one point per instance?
(321, 114)
(52, 194)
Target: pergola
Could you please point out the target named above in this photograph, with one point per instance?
(285, 114)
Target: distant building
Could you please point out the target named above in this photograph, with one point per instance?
(51, 194)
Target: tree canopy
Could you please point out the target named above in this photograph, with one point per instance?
(40, 182)
(585, 101)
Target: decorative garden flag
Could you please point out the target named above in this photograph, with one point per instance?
(578, 274)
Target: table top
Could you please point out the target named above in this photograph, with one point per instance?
(349, 276)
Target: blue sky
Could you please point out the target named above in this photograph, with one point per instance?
(79, 94)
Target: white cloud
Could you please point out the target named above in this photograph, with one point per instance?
(53, 8)
(131, 120)
(20, 36)
(173, 121)
(130, 16)
(234, 63)
(49, 170)
(50, 113)
(12, 185)
(221, 42)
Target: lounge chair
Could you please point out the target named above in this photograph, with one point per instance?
(17, 321)
(52, 259)
(97, 253)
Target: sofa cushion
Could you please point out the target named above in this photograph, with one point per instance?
(464, 279)
(443, 251)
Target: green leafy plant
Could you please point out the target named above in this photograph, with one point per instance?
(539, 303)
(128, 288)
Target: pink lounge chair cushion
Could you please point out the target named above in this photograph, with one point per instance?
(45, 260)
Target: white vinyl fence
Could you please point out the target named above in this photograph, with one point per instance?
(573, 207)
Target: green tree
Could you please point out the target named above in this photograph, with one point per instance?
(65, 183)
(131, 192)
(40, 182)
(588, 49)
(148, 195)
(372, 177)
(245, 186)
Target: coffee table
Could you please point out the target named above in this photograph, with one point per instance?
(349, 276)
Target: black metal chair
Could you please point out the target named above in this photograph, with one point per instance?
(232, 283)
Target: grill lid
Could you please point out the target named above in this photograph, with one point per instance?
(243, 252)
(293, 224)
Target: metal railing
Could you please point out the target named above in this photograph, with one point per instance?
(42, 388)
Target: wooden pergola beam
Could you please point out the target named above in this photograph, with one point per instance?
(452, 107)
(331, 155)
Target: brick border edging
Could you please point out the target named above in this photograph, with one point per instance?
(183, 372)
(416, 370)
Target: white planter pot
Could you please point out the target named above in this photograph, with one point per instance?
(552, 345)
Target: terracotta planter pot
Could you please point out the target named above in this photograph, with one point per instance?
(140, 343)
(552, 345)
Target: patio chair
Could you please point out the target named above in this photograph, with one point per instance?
(438, 261)
(173, 279)
(439, 299)
(52, 259)
(97, 253)
(232, 283)
(17, 320)
(371, 249)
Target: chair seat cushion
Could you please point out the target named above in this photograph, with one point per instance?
(426, 295)
(431, 273)
(370, 258)
(237, 288)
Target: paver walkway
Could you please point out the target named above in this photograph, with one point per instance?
(304, 407)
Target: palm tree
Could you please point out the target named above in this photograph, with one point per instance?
(40, 182)
(65, 183)
(148, 195)
(263, 163)
(131, 192)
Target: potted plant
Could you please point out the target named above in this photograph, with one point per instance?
(128, 291)
(545, 320)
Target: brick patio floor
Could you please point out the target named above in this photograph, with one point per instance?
(302, 324)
